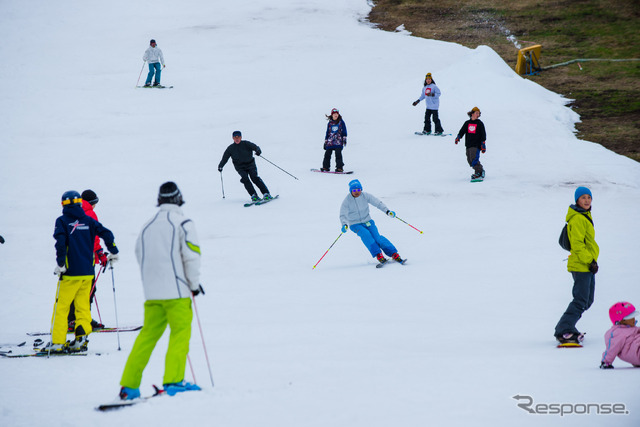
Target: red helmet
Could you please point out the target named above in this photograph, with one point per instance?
(622, 310)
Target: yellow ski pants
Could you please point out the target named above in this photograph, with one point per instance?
(157, 314)
(74, 289)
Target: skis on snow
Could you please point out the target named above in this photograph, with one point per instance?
(155, 87)
(119, 404)
(382, 264)
(261, 201)
(121, 329)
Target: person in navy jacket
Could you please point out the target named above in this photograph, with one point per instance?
(335, 139)
(75, 234)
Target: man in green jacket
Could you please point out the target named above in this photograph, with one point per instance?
(583, 265)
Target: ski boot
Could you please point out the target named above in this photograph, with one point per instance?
(339, 170)
(53, 348)
(266, 197)
(426, 132)
(96, 326)
(396, 257)
(174, 388)
(255, 198)
(438, 133)
(381, 259)
(77, 345)
(127, 393)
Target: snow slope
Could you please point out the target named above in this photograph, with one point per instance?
(447, 339)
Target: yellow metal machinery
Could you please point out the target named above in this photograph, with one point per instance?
(528, 62)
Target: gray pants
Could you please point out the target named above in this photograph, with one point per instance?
(584, 288)
(473, 158)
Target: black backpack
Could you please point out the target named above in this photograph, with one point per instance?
(563, 241)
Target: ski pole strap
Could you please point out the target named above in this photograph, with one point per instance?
(409, 224)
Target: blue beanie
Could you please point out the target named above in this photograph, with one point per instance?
(355, 185)
(581, 191)
(236, 133)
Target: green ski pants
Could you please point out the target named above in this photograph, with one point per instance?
(157, 314)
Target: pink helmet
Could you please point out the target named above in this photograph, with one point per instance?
(621, 310)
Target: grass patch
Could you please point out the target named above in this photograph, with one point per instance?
(606, 94)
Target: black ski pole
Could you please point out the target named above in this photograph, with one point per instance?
(222, 183)
(262, 157)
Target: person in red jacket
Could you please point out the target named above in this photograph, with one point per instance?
(89, 201)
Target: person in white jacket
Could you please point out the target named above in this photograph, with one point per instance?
(153, 55)
(169, 256)
(354, 213)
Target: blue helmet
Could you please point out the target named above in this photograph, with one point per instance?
(71, 197)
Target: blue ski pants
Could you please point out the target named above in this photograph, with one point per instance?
(375, 243)
(156, 69)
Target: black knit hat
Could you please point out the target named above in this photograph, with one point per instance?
(90, 196)
(170, 193)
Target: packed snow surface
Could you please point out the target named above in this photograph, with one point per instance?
(448, 339)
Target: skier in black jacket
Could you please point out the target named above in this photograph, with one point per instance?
(241, 153)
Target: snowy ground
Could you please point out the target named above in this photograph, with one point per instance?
(447, 339)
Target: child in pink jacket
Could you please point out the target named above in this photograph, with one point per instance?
(623, 339)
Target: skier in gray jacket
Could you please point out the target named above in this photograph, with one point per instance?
(354, 213)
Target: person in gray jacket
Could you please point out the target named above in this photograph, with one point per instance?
(169, 256)
(354, 213)
(431, 94)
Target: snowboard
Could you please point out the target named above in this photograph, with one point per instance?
(333, 172)
(155, 87)
(380, 265)
(121, 329)
(570, 345)
(431, 134)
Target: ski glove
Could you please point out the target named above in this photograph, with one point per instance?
(1, 239)
(59, 270)
(392, 214)
(112, 258)
(258, 152)
(483, 147)
(605, 366)
(345, 227)
(219, 169)
(101, 257)
(457, 140)
(416, 102)
(593, 267)
(198, 291)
